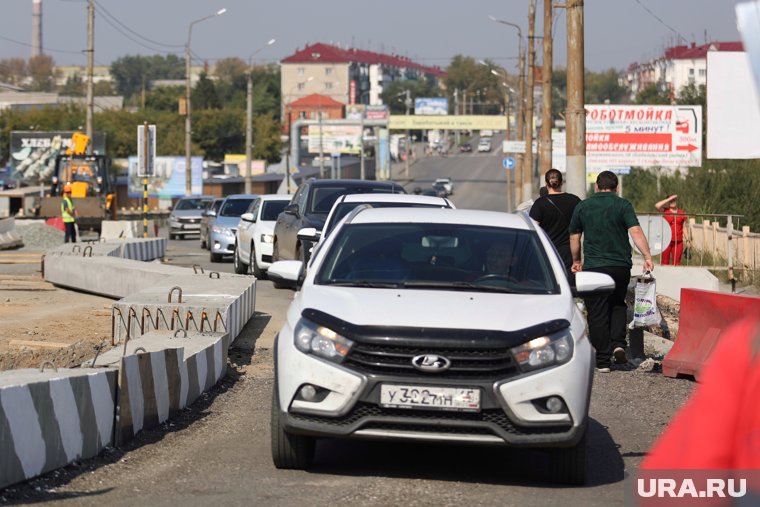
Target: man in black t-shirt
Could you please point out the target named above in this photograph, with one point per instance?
(553, 212)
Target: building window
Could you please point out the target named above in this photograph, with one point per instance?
(702, 72)
(328, 86)
(691, 72)
(301, 86)
(328, 71)
(300, 71)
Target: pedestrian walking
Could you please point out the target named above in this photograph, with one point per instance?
(553, 211)
(69, 214)
(605, 220)
(678, 233)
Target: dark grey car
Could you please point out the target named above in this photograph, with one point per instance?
(185, 218)
(207, 220)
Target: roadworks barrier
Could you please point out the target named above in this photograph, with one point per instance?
(51, 418)
(9, 237)
(115, 229)
(704, 316)
(136, 249)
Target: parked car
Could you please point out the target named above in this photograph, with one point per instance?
(346, 203)
(309, 208)
(223, 230)
(465, 148)
(484, 145)
(255, 234)
(207, 219)
(444, 184)
(435, 325)
(185, 218)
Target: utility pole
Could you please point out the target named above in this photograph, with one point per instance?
(545, 150)
(188, 120)
(575, 116)
(248, 130)
(528, 163)
(90, 71)
(408, 104)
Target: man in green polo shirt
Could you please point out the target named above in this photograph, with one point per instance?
(606, 220)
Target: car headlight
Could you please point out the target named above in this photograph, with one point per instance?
(267, 238)
(544, 351)
(222, 230)
(321, 341)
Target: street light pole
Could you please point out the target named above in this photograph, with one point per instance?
(249, 118)
(576, 113)
(188, 109)
(90, 70)
(528, 165)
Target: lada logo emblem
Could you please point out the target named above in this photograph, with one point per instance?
(431, 363)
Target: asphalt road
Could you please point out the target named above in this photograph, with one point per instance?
(218, 450)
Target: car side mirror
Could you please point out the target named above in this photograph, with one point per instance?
(247, 217)
(288, 274)
(588, 283)
(309, 234)
(211, 213)
(292, 209)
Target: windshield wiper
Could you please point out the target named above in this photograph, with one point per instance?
(366, 283)
(457, 286)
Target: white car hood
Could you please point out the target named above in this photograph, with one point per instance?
(435, 308)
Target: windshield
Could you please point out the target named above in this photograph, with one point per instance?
(188, 204)
(272, 209)
(235, 207)
(344, 208)
(323, 198)
(438, 256)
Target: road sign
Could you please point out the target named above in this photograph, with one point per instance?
(643, 136)
(146, 161)
(508, 163)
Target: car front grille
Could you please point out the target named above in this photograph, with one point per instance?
(436, 421)
(189, 220)
(475, 363)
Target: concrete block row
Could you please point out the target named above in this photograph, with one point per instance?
(115, 229)
(136, 249)
(9, 237)
(49, 419)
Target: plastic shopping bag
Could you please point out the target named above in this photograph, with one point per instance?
(645, 311)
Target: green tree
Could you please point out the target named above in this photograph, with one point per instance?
(228, 69)
(103, 88)
(603, 86)
(43, 73)
(204, 94)
(474, 80)
(164, 98)
(267, 142)
(133, 73)
(74, 86)
(13, 71)
(652, 95)
(393, 93)
(217, 132)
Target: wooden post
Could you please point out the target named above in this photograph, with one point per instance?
(715, 243)
(745, 247)
(705, 225)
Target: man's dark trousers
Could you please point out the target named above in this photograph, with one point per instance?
(607, 316)
(70, 233)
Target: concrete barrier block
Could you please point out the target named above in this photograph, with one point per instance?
(115, 229)
(9, 237)
(49, 419)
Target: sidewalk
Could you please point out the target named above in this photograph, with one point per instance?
(398, 169)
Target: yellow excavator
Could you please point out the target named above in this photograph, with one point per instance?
(90, 185)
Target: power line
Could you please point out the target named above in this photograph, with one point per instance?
(116, 20)
(46, 49)
(119, 29)
(663, 23)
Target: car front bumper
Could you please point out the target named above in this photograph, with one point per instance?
(221, 243)
(509, 413)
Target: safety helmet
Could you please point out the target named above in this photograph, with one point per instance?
(66, 188)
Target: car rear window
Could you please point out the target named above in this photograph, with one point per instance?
(272, 209)
(323, 198)
(345, 208)
(438, 256)
(235, 207)
(190, 204)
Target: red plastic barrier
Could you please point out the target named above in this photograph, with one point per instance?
(56, 222)
(704, 316)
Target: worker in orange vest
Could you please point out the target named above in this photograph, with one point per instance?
(69, 215)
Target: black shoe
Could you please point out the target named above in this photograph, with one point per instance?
(619, 355)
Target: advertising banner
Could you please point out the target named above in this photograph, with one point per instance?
(383, 169)
(450, 122)
(436, 105)
(643, 136)
(32, 156)
(376, 112)
(354, 111)
(169, 178)
(335, 138)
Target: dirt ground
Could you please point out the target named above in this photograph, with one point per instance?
(40, 322)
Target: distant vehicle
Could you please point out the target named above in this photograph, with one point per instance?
(465, 148)
(486, 133)
(444, 184)
(224, 228)
(185, 218)
(207, 218)
(435, 325)
(309, 208)
(255, 234)
(484, 145)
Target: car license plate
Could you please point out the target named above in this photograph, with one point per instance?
(430, 397)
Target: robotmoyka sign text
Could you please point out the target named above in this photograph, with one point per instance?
(644, 136)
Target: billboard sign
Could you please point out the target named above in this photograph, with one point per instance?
(32, 155)
(448, 122)
(335, 138)
(643, 136)
(376, 112)
(168, 179)
(435, 105)
(355, 112)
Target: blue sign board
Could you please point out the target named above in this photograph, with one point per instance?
(435, 105)
(169, 177)
(508, 163)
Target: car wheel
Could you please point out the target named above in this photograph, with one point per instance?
(288, 450)
(214, 257)
(254, 266)
(568, 464)
(240, 268)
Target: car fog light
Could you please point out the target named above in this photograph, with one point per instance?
(309, 392)
(217, 246)
(554, 405)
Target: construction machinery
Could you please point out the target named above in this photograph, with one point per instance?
(90, 185)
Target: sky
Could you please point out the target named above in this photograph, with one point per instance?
(618, 32)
